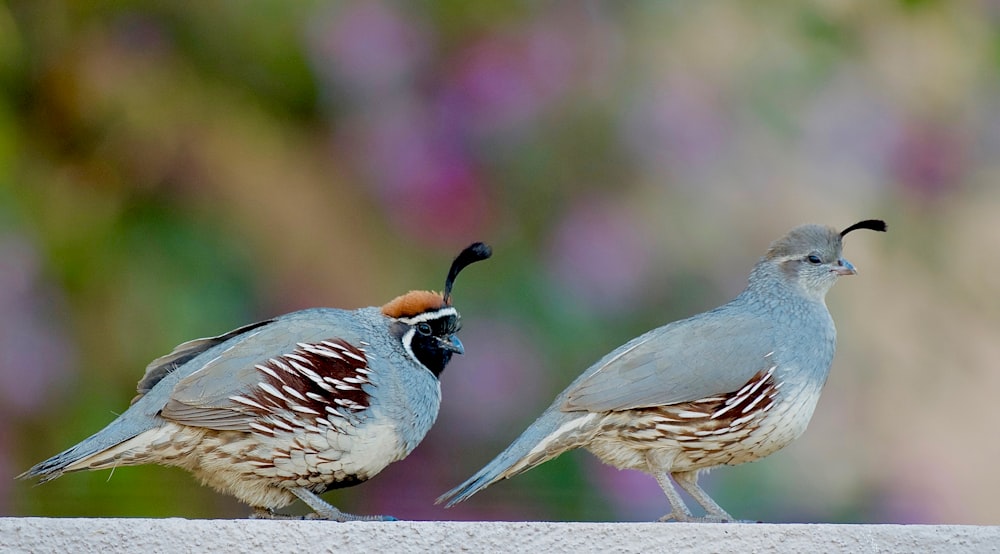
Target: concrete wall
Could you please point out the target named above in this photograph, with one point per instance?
(108, 536)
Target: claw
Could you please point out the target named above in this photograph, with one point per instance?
(671, 517)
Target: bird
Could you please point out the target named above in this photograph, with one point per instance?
(724, 387)
(290, 407)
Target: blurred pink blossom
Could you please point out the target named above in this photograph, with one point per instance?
(928, 160)
(34, 351)
(508, 79)
(421, 174)
(500, 378)
(368, 46)
(633, 495)
(599, 256)
(847, 132)
(678, 125)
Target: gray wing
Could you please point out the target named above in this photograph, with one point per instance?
(182, 354)
(209, 396)
(707, 355)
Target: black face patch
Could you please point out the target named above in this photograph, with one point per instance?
(428, 339)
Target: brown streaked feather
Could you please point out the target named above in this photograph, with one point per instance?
(413, 303)
(722, 416)
(316, 381)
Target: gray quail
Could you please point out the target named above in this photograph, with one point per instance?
(727, 386)
(289, 407)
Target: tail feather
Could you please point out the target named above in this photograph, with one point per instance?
(77, 457)
(553, 433)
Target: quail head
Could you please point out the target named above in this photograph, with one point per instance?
(727, 386)
(290, 407)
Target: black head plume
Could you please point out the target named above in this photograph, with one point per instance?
(871, 224)
(475, 252)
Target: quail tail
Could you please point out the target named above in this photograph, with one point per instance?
(119, 431)
(553, 433)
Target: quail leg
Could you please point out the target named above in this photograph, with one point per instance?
(678, 510)
(688, 480)
(328, 512)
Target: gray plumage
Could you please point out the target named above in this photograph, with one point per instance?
(290, 407)
(727, 386)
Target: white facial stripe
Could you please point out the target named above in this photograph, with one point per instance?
(783, 259)
(407, 339)
(427, 316)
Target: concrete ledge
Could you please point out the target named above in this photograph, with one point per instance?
(183, 535)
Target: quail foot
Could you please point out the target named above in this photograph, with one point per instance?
(290, 407)
(724, 387)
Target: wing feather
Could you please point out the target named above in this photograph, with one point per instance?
(706, 355)
(182, 354)
(225, 392)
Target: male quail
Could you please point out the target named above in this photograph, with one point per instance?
(727, 386)
(290, 407)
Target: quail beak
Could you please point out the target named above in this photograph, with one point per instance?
(453, 345)
(844, 267)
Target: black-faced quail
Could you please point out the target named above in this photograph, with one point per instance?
(290, 407)
(727, 386)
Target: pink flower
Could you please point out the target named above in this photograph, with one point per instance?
(599, 256)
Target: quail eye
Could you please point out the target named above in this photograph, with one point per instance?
(814, 259)
(424, 328)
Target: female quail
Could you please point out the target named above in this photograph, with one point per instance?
(728, 386)
(290, 407)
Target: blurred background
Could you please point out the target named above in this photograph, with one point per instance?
(175, 170)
